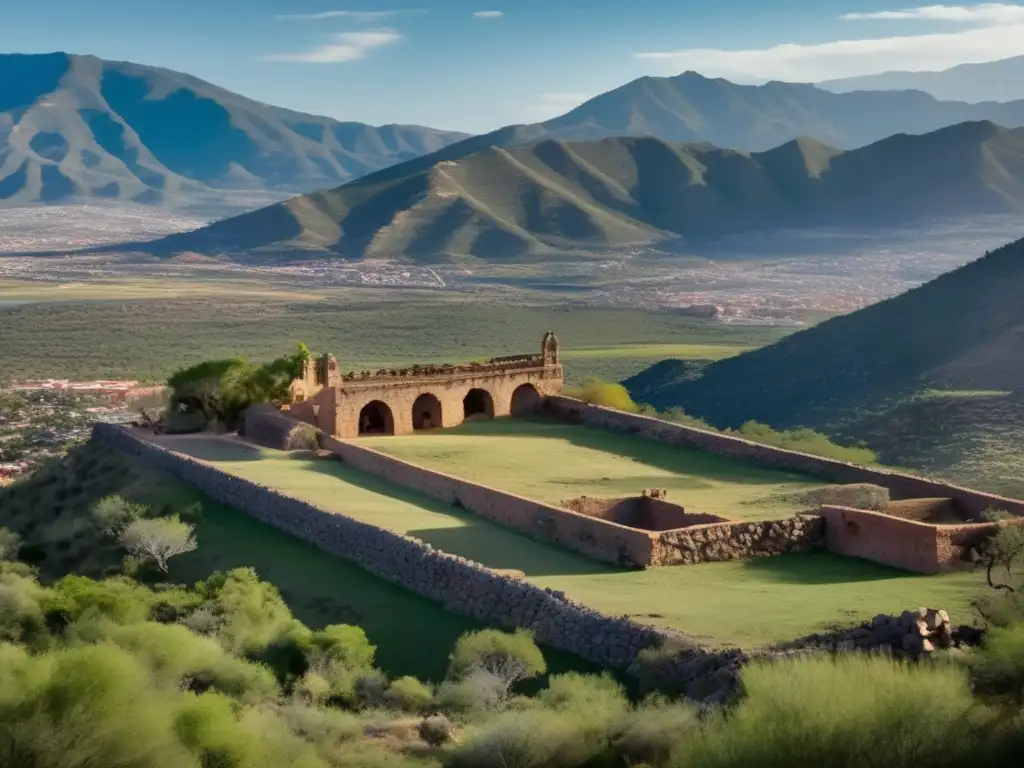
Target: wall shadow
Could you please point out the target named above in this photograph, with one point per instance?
(476, 538)
(821, 568)
(677, 459)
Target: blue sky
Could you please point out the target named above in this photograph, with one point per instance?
(475, 65)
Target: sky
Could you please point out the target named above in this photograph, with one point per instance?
(476, 65)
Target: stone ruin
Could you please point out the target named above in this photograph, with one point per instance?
(429, 396)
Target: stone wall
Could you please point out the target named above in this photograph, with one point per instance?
(718, 542)
(460, 585)
(900, 485)
(265, 425)
(593, 537)
(880, 538)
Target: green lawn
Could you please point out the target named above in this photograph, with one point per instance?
(552, 462)
(745, 602)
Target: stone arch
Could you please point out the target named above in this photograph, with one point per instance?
(478, 404)
(376, 418)
(426, 412)
(526, 399)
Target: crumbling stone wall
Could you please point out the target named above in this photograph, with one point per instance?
(901, 486)
(719, 542)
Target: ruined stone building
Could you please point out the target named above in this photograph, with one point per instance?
(397, 402)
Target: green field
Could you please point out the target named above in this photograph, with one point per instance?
(553, 462)
(121, 337)
(744, 602)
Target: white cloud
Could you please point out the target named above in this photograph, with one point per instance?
(488, 14)
(985, 13)
(345, 46)
(550, 105)
(849, 58)
(365, 16)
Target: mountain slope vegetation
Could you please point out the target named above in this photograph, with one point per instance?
(550, 196)
(932, 378)
(79, 128)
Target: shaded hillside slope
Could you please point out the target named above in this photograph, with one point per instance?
(690, 107)
(78, 127)
(503, 203)
(1001, 80)
(962, 331)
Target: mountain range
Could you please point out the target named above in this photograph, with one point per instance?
(529, 200)
(1001, 80)
(78, 128)
(933, 377)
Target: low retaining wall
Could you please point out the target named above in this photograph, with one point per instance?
(901, 486)
(735, 540)
(902, 543)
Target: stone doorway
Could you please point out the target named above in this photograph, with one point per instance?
(478, 404)
(426, 412)
(376, 419)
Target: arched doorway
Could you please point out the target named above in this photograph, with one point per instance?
(426, 412)
(376, 419)
(478, 404)
(525, 400)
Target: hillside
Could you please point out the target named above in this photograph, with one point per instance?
(1001, 80)
(690, 107)
(933, 378)
(79, 128)
(551, 196)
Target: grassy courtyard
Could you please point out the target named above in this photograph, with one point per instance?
(552, 462)
(744, 602)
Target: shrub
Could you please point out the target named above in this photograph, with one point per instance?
(158, 539)
(851, 710)
(478, 691)
(436, 730)
(10, 544)
(508, 657)
(998, 666)
(597, 392)
(112, 514)
(252, 612)
(529, 739)
(648, 734)
(118, 599)
(409, 695)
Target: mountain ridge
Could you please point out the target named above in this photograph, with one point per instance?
(76, 127)
(554, 196)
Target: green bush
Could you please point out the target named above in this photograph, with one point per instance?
(530, 739)
(508, 656)
(252, 612)
(409, 695)
(998, 666)
(10, 544)
(605, 394)
(649, 733)
(849, 710)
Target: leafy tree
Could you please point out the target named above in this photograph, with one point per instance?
(158, 539)
(112, 514)
(507, 657)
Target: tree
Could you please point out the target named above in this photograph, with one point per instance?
(1003, 548)
(112, 514)
(507, 657)
(158, 539)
